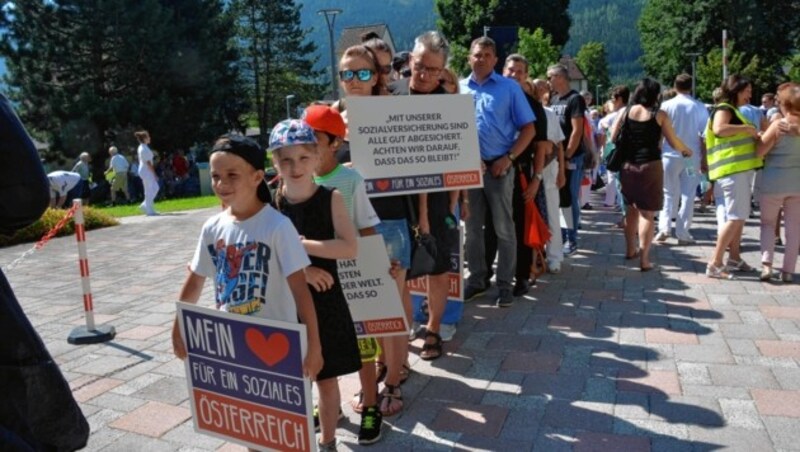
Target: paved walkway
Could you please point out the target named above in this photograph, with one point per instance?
(599, 357)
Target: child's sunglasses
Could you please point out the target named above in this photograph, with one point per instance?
(363, 75)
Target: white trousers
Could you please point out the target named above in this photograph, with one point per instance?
(680, 185)
(555, 247)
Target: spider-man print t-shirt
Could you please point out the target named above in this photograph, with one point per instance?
(248, 262)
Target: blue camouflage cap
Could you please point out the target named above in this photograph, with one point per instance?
(291, 132)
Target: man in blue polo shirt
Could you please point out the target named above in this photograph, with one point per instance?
(505, 128)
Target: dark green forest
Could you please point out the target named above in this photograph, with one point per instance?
(612, 22)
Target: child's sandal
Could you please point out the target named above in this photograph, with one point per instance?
(381, 370)
(431, 351)
(391, 400)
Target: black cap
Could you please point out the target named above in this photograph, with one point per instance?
(242, 146)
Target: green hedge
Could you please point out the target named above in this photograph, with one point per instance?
(93, 219)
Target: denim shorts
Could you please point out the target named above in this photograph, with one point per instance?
(398, 241)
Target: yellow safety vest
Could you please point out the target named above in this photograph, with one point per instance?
(733, 154)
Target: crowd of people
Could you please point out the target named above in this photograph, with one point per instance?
(538, 142)
(125, 179)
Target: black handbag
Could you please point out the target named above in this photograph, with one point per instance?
(423, 248)
(619, 155)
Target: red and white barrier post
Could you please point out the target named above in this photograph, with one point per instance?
(90, 334)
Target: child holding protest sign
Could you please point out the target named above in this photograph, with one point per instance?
(327, 234)
(273, 284)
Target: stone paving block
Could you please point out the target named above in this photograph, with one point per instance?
(101, 418)
(741, 413)
(452, 390)
(572, 323)
(703, 354)
(513, 342)
(136, 384)
(743, 347)
(556, 386)
(118, 402)
(715, 391)
(780, 312)
(764, 361)
(654, 381)
(784, 432)
(731, 438)
(475, 420)
(133, 442)
(555, 440)
(742, 376)
(600, 389)
(98, 439)
(540, 362)
(106, 365)
(152, 419)
(747, 331)
(692, 373)
(601, 442)
(777, 402)
(779, 349)
(689, 410)
(578, 415)
(185, 434)
(168, 390)
(788, 378)
(142, 332)
(651, 428)
(666, 336)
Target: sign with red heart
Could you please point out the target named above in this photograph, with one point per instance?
(270, 350)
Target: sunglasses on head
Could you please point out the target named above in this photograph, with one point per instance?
(363, 75)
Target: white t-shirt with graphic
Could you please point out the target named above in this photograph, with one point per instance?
(248, 261)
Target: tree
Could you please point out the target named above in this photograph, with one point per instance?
(539, 50)
(591, 58)
(709, 70)
(463, 20)
(86, 72)
(671, 29)
(277, 59)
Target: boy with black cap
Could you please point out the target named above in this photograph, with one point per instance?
(250, 230)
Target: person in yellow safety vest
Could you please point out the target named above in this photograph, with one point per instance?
(731, 142)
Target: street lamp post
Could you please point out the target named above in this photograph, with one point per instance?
(288, 110)
(694, 56)
(597, 100)
(330, 20)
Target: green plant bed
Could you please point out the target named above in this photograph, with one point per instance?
(92, 218)
(167, 205)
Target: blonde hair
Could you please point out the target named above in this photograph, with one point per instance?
(141, 135)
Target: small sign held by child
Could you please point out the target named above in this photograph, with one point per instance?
(245, 377)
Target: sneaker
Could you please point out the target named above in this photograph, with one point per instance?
(327, 447)
(662, 237)
(570, 248)
(370, 430)
(786, 277)
(687, 241)
(472, 292)
(778, 241)
(554, 268)
(447, 331)
(505, 298)
(315, 415)
(587, 206)
(521, 288)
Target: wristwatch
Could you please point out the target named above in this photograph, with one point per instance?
(511, 156)
(539, 176)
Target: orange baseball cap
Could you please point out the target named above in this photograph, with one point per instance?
(325, 119)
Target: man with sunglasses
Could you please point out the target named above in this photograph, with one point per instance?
(505, 129)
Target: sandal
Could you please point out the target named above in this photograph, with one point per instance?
(391, 400)
(431, 351)
(739, 266)
(381, 370)
(712, 271)
(766, 272)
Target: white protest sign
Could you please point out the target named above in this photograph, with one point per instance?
(414, 144)
(245, 378)
(371, 292)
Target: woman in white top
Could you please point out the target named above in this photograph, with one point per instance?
(147, 172)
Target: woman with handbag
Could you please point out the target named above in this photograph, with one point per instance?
(638, 132)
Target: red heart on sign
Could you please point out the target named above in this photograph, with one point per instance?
(270, 350)
(383, 184)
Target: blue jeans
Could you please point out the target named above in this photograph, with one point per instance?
(496, 196)
(575, 178)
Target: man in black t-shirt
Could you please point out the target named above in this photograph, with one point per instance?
(570, 108)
